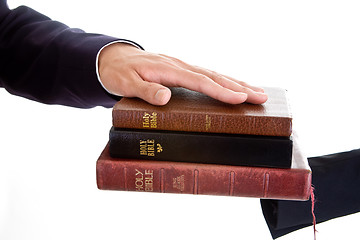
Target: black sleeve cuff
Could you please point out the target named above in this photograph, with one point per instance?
(336, 179)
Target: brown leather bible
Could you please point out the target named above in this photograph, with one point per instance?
(195, 112)
(209, 179)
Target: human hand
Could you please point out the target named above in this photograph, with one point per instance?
(131, 72)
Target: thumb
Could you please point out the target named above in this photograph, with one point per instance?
(153, 93)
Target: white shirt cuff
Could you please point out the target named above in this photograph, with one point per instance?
(97, 61)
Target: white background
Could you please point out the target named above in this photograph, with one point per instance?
(48, 153)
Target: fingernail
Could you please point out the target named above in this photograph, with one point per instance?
(259, 89)
(243, 96)
(261, 94)
(162, 96)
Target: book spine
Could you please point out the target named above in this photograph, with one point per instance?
(188, 178)
(202, 122)
(235, 150)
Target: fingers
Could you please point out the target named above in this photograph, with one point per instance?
(255, 95)
(201, 83)
(151, 92)
(127, 71)
(256, 89)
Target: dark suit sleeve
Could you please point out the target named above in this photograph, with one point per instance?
(336, 179)
(49, 62)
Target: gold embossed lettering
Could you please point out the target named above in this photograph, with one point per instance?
(149, 180)
(137, 172)
(159, 148)
(143, 147)
(146, 120)
(179, 183)
(147, 147)
(153, 120)
(151, 148)
(207, 122)
(139, 183)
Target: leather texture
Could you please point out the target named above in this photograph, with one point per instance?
(195, 178)
(195, 112)
(211, 148)
(336, 179)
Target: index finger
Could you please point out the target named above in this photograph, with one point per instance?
(179, 77)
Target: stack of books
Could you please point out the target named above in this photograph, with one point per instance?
(198, 145)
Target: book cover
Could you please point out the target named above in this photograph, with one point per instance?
(196, 178)
(210, 148)
(195, 112)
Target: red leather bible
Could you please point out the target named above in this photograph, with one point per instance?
(209, 179)
(195, 112)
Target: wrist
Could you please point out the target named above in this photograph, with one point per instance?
(106, 55)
